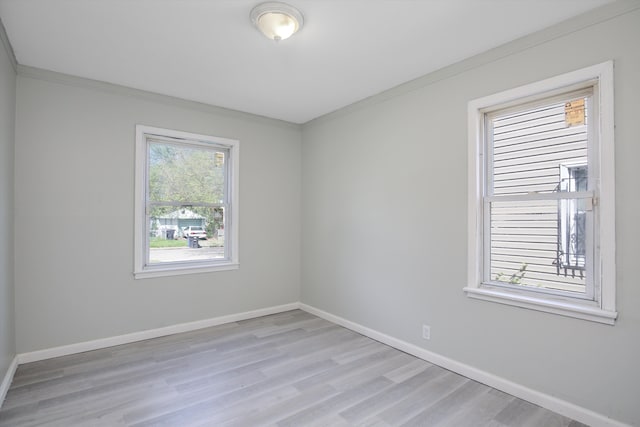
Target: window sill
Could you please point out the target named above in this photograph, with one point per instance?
(548, 305)
(162, 271)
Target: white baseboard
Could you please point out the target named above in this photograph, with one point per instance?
(560, 406)
(6, 381)
(554, 404)
(65, 350)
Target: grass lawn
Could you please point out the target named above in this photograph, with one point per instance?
(157, 242)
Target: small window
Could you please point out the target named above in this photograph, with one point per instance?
(186, 203)
(541, 196)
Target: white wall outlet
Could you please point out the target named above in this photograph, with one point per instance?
(426, 332)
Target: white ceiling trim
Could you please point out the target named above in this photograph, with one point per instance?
(209, 52)
(559, 30)
(54, 77)
(562, 29)
(7, 46)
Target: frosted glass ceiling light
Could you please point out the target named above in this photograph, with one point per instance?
(277, 21)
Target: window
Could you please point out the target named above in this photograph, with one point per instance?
(572, 215)
(186, 203)
(541, 196)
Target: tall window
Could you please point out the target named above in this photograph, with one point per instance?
(541, 196)
(186, 202)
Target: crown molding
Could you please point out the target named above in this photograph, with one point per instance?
(7, 47)
(562, 29)
(70, 80)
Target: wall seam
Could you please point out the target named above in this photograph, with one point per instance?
(7, 46)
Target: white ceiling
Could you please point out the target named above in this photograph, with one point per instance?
(208, 50)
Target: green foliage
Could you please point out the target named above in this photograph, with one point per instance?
(186, 176)
(516, 278)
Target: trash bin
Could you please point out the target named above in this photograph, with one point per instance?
(193, 242)
(170, 234)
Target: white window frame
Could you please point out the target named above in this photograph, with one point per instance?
(141, 236)
(602, 308)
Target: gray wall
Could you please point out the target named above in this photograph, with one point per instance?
(385, 222)
(7, 120)
(74, 181)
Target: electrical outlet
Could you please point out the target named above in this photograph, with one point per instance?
(426, 332)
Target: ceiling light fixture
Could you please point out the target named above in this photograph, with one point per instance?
(277, 21)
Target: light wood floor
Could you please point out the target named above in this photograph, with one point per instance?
(288, 369)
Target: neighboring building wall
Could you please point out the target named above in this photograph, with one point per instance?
(385, 220)
(529, 152)
(180, 220)
(75, 144)
(7, 120)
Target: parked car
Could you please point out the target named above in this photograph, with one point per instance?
(194, 231)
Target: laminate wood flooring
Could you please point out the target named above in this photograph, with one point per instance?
(287, 369)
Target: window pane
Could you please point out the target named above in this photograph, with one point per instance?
(171, 226)
(530, 146)
(185, 174)
(572, 234)
(526, 246)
